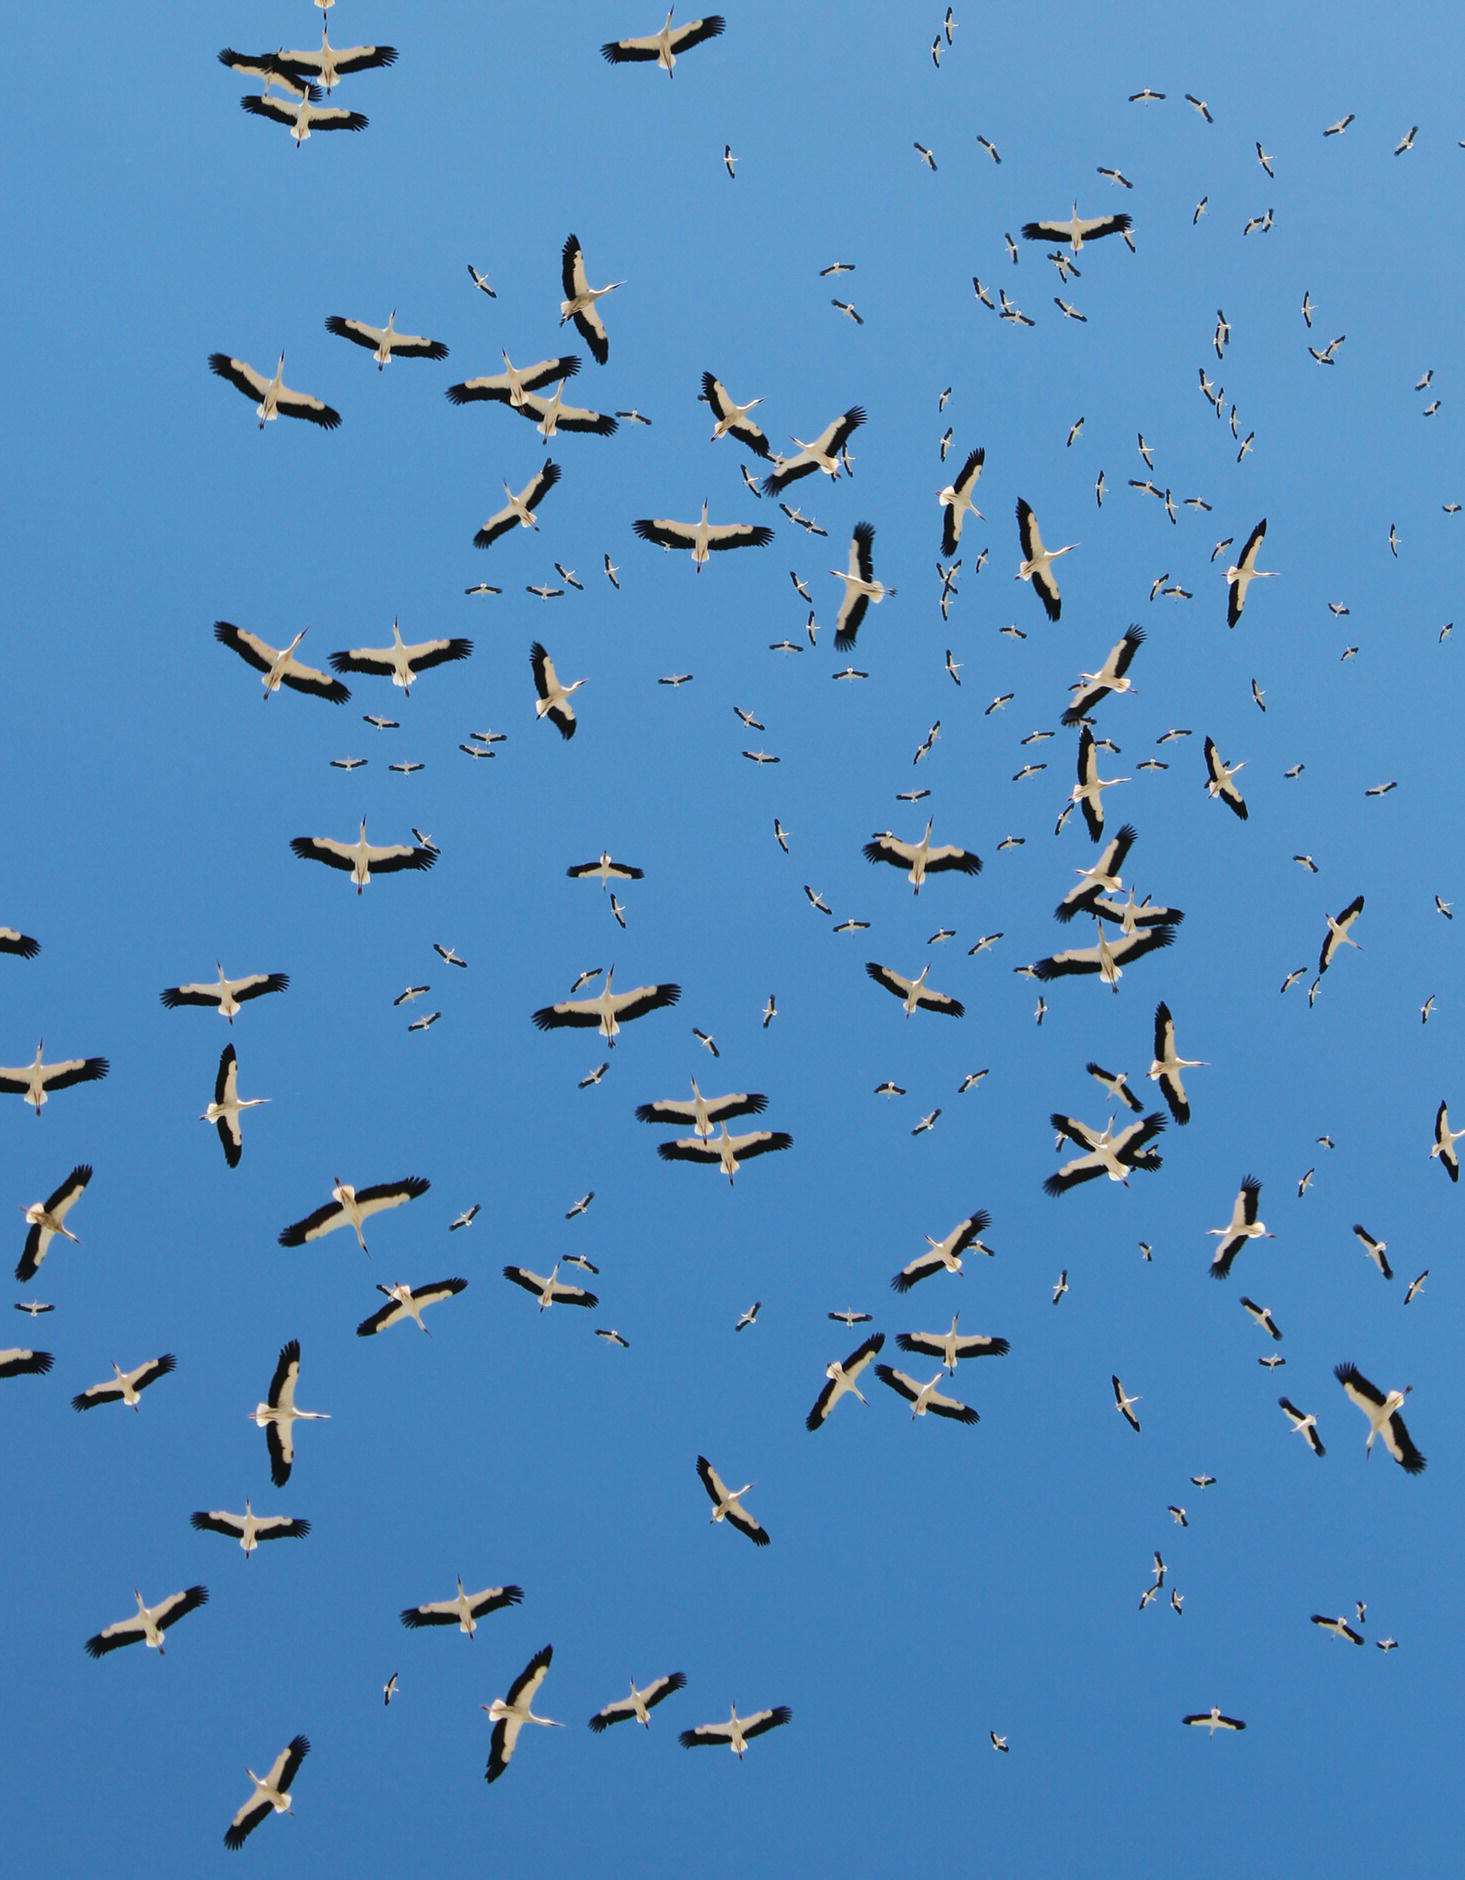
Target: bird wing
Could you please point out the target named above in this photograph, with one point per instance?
(323, 1220)
(902, 1385)
(391, 1194)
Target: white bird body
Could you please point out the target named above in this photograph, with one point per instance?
(950, 1347)
(843, 1379)
(914, 993)
(662, 48)
(1382, 1410)
(1037, 561)
(271, 1793)
(513, 385)
(640, 1703)
(554, 696)
(303, 117)
(1242, 1226)
(945, 1254)
(278, 1414)
(580, 298)
(509, 1714)
(279, 664)
(702, 537)
(549, 1289)
(227, 996)
(149, 1623)
(402, 662)
(608, 1008)
(737, 1732)
(921, 858)
(1077, 229)
(274, 399)
(385, 342)
(822, 454)
(703, 1113)
(46, 1219)
(926, 1397)
(36, 1080)
(464, 1610)
(330, 64)
(956, 500)
(362, 859)
(350, 1207)
(408, 1302)
(727, 1504)
(249, 1528)
(521, 507)
(727, 1151)
(126, 1386)
(1243, 572)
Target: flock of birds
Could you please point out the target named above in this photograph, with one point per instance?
(1122, 930)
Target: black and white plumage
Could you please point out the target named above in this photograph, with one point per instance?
(924, 1398)
(1105, 1152)
(1243, 572)
(1117, 1084)
(703, 1113)
(662, 48)
(521, 508)
(1212, 1720)
(1124, 1404)
(402, 662)
(17, 1362)
(823, 453)
(464, 1610)
(608, 1010)
(580, 298)
(1242, 1226)
(725, 1151)
(35, 1081)
(149, 1623)
(702, 537)
(1092, 687)
(605, 870)
(1377, 1250)
(509, 1714)
(47, 1219)
(956, 501)
(1077, 229)
(946, 1254)
(951, 1347)
(554, 695)
(362, 859)
(1106, 959)
(249, 1528)
(1303, 1424)
(1445, 1139)
(330, 64)
(1103, 877)
(1339, 934)
(225, 995)
(732, 418)
(552, 414)
(1167, 1065)
(385, 343)
(271, 1793)
(727, 1504)
(914, 993)
(273, 398)
(513, 385)
(303, 119)
(640, 1703)
(1088, 790)
(549, 1289)
(12, 940)
(279, 664)
(278, 1415)
(408, 1302)
(843, 1379)
(126, 1386)
(737, 1732)
(349, 1207)
(1263, 1317)
(270, 69)
(920, 859)
(1382, 1410)
(1221, 781)
(1037, 561)
(860, 586)
(1339, 1628)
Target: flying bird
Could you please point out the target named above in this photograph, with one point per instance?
(702, 537)
(737, 1732)
(843, 1379)
(662, 48)
(1382, 1410)
(273, 398)
(1242, 1226)
(408, 1302)
(464, 1610)
(149, 1623)
(279, 664)
(35, 1081)
(350, 1207)
(126, 1386)
(640, 1703)
(271, 1794)
(1037, 562)
(47, 1219)
(579, 303)
(607, 1009)
(727, 1504)
(509, 1714)
(249, 1528)
(554, 696)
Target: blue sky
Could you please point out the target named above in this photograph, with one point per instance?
(927, 1583)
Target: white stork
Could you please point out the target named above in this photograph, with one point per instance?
(1382, 1410)
(728, 1152)
(1242, 1226)
(1339, 1628)
(640, 1703)
(737, 1732)
(509, 1714)
(403, 662)
(914, 992)
(732, 418)
(464, 1610)
(249, 1528)
(1037, 561)
(1303, 1424)
(1124, 1404)
(702, 537)
(860, 586)
(519, 508)
(279, 664)
(13, 941)
(349, 1207)
(1377, 1250)
(126, 1386)
(823, 453)
(1243, 572)
(330, 64)
(554, 695)
(1221, 781)
(385, 343)
(511, 386)
(843, 1379)
(1212, 1720)
(1111, 677)
(20, 1363)
(408, 1302)
(552, 414)
(277, 1415)
(36, 1080)
(227, 995)
(727, 1504)
(1339, 934)
(1107, 960)
(1445, 1139)
(662, 48)
(956, 500)
(1104, 1152)
(607, 1010)
(362, 859)
(549, 1289)
(605, 870)
(926, 1397)
(580, 298)
(1077, 229)
(1117, 1085)
(945, 1254)
(273, 398)
(270, 69)
(47, 1219)
(1088, 791)
(149, 1623)
(1167, 1064)
(703, 1113)
(1263, 1317)
(303, 118)
(950, 1347)
(1102, 877)
(271, 1793)
(920, 858)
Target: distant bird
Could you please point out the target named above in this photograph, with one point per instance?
(956, 501)
(608, 1009)
(1243, 572)
(1037, 563)
(273, 398)
(249, 1528)
(1115, 176)
(1221, 781)
(726, 1151)
(520, 510)
(1340, 1627)
(1212, 1720)
(1264, 160)
(1382, 1410)
(149, 1623)
(1376, 1250)
(662, 48)
(639, 1704)
(737, 1732)
(821, 454)
(1445, 1139)
(126, 1386)
(1414, 1286)
(350, 1207)
(1242, 1226)
(1263, 1317)
(408, 1302)
(750, 1317)
(1105, 1152)
(404, 663)
(464, 1610)
(843, 1380)
(552, 414)
(707, 1041)
(47, 1219)
(848, 311)
(946, 1254)
(1339, 933)
(702, 537)
(612, 1336)
(914, 993)
(1337, 128)
(279, 664)
(549, 1289)
(509, 1714)
(1125, 1406)
(1201, 106)
(554, 695)
(925, 156)
(921, 859)
(385, 343)
(727, 1504)
(1167, 1066)
(925, 1398)
(35, 1081)
(1116, 1083)
(729, 161)
(481, 282)
(1077, 230)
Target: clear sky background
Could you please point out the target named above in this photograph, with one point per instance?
(926, 1583)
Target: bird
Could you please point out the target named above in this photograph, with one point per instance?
(273, 398)
(249, 1528)
(727, 1151)
(950, 1347)
(554, 696)
(640, 1703)
(552, 414)
(605, 870)
(848, 311)
(271, 1793)
(1112, 676)
(727, 1504)
(1340, 125)
(926, 157)
(1037, 562)
(1242, 1226)
(1339, 1628)
(732, 418)
(662, 48)
(17, 1362)
(738, 1731)
(820, 454)
(956, 501)
(594, 1077)
(1104, 1151)
(945, 1254)
(350, 1207)
(1166, 1066)
(1445, 1139)
(729, 161)
(549, 1289)
(702, 537)
(703, 1113)
(1115, 176)
(1101, 878)
(1264, 160)
(35, 1081)
(921, 859)
(926, 1397)
(481, 282)
(521, 508)
(607, 1009)
(1201, 106)
(509, 1714)
(1116, 1083)
(385, 343)
(277, 1415)
(1077, 230)
(1125, 1406)
(1243, 572)
(611, 1336)
(279, 664)
(1339, 934)
(1106, 959)
(149, 1623)
(579, 303)
(408, 1302)
(843, 1380)
(707, 1041)
(1263, 1317)
(1221, 781)
(914, 993)
(47, 1219)
(125, 1386)
(464, 1610)
(514, 384)
(227, 995)
(403, 662)
(1376, 1250)
(412, 992)
(750, 1317)
(1212, 1720)
(13, 941)
(1382, 1410)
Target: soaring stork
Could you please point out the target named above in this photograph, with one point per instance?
(1037, 561)
(608, 1010)
(702, 537)
(403, 662)
(703, 1113)
(914, 992)
(843, 1379)
(349, 1207)
(1445, 1139)
(552, 414)
(1243, 572)
(273, 398)
(1303, 1424)
(956, 500)
(47, 1219)
(519, 508)
(554, 695)
(225, 1109)
(277, 1415)
(227, 995)
(1077, 229)
(732, 418)
(1339, 934)
(464, 1610)
(511, 386)
(580, 298)
(1088, 791)
(330, 64)
(737, 1732)
(950, 1347)
(509, 1714)
(408, 1302)
(640, 1703)
(1382, 1410)
(549, 1289)
(1221, 781)
(1106, 959)
(946, 1254)
(249, 1528)
(823, 453)
(126, 1386)
(279, 664)
(860, 586)
(1212, 1720)
(926, 1397)
(921, 858)
(385, 343)
(1111, 677)
(271, 1793)
(1167, 1065)
(362, 859)
(1104, 1152)
(1242, 1226)
(662, 48)
(149, 1623)
(13, 941)
(726, 1151)
(303, 118)
(36, 1080)
(727, 1504)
